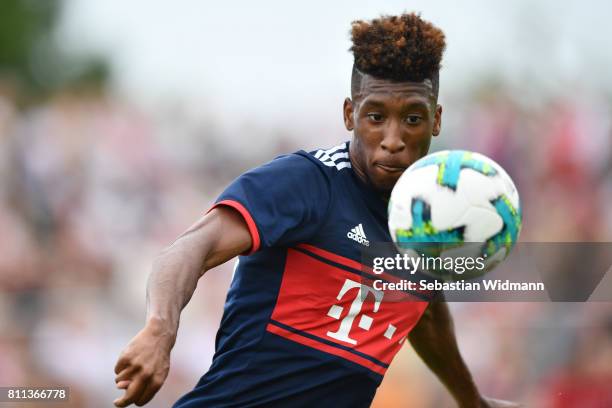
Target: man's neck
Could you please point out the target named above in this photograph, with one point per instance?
(362, 175)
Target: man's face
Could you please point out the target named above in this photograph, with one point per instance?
(393, 123)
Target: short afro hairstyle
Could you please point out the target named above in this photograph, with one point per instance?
(398, 48)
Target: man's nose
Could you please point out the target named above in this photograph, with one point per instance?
(392, 138)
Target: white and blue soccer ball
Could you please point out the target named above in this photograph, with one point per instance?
(455, 202)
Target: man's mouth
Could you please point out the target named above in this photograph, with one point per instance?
(391, 168)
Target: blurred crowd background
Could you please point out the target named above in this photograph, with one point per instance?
(106, 155)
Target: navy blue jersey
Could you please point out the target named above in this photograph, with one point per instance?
(301, 326)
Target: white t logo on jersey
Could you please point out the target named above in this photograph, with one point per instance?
(343, 332)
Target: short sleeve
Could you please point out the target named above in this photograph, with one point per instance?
(283, 202)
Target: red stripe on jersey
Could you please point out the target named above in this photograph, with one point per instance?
(336, 258)
(298, 338)
(360, 267)
(247, 218)
(337, 305)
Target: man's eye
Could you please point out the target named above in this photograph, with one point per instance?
(376, 117)
(413, 119)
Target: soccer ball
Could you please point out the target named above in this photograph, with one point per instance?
(455, 203)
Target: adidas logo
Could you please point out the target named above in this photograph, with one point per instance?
(357, 234)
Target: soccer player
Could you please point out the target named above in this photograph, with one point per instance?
(300, 328)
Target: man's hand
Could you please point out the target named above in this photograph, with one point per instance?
(143, 365)
(494, 403)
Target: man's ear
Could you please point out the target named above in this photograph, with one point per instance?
(437, 121)
(347, 111)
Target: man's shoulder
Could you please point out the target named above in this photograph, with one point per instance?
(324, 162)
(334, 159)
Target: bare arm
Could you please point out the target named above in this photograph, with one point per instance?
(433, 338)
(213, 240)
(143, 365)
